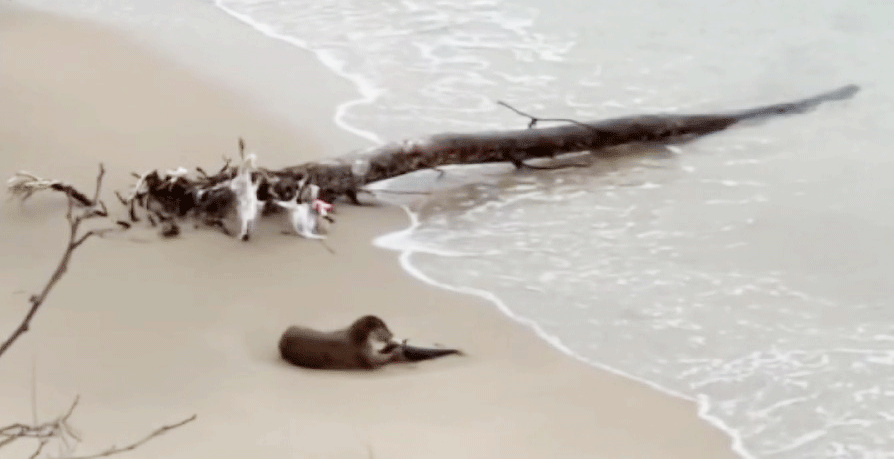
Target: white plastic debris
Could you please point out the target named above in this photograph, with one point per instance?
(303, 219)
(249, 207)
(176, 173)
(306, 217)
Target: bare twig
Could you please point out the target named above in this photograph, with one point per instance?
(226, 165)
(24, 184)
(60, 429)
(43, 442)
(7, 440)
(33, 392)
(44, 432)
(535, 119)
(325, 245)
(96, 209)
(155, 433)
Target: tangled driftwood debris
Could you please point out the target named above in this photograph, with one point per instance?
(306, 191)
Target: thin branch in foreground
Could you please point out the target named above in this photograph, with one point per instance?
(95, 208)
(24, 185)
(155, 433)
(43, 433)
(60, 429)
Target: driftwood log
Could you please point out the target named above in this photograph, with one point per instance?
(517, 146)
(169, 197)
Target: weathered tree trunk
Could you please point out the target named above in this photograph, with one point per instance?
(517, 146)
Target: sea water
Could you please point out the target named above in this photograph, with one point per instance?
(748, 271)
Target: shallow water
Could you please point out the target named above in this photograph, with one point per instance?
(747, 270)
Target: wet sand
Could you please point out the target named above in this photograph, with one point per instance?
(150, 331)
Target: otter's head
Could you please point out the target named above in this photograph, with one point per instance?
(370, 329)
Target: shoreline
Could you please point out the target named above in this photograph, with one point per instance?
(524, 371)
(702, 405)
(367, 94)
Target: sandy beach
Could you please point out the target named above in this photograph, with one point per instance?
(150, 331)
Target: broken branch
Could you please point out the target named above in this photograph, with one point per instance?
(95, 208)
(535, 119)
(24, 185)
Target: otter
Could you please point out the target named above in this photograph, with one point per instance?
(367, 344)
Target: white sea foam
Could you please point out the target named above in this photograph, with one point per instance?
(368, 90)
(402, 242)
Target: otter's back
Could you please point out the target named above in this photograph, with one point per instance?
(309, 348)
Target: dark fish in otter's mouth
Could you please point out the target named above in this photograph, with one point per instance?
(417, 353)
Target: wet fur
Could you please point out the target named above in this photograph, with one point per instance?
(347, 349)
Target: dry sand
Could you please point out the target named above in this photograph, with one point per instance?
(150, 331)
